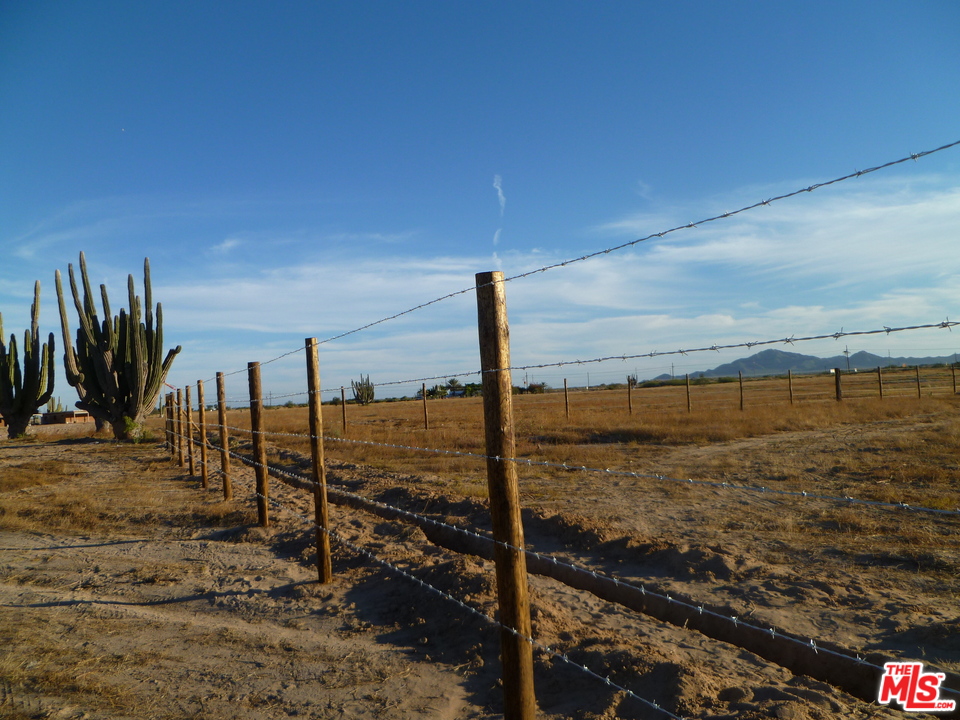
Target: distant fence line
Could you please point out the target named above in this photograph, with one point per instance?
(838, 384)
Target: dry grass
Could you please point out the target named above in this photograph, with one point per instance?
(599, 428)
(49, 494)
(900, 449)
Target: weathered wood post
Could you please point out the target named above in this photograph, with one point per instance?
(224, 437)
(343, 409)
(953, 369)
(320, 512)
(202, 430)
(917, 368)
(259, 444)
(423, 393)
(179, 409)
(880, 381)
(838, 384)
(740, 375)
(171, 442)
(566, 399)
(629, 395)
(689, 402)
(502, 482)
(188, 410)
(790, 384)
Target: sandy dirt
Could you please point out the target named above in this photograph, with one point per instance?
(128, 591)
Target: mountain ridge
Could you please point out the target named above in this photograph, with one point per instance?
(779, 362)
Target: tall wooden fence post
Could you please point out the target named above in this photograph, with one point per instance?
(629, 395)
(953, 370)
(689, 401)
(343, 409)
(423, 394)
(188, 409)
(202, 431)
(224, 437)
(566, 399)
(880, 380)
(179, 413)
(320, 512)
(838, 384)
(171, 441)
(511, 567)
(917, 367)
(790, 384)
(259, 445)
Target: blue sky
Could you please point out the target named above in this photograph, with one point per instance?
(302, 169)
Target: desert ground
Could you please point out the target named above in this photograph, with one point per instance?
(127, 590)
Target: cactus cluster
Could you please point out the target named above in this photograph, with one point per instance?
(362, 390)
(22, 392)
(117, 365)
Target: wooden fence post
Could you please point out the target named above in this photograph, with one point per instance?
(179, 409)
(953, 369)
(629, 395)
(880, 380)
(168, 425)
(740, 375)
(511, 568)
(321, 516)
(188, 409)
(790, 384)
(566, 399)
(343, 409)
(259, 445)
(224, 438)
(202, 430)
(689, 402)
(423, 394)
(917, 368)
(838, 384)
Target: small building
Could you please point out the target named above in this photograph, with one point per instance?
(66, 417)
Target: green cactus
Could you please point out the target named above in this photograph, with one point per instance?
(22, 392)
(117, 366)
(362, 390)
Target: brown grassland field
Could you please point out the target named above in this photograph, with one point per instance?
(130, 591)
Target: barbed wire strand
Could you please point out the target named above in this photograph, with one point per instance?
(446, 596)
(530, 462)
(748, 344)
(622, 246)
(700, 609)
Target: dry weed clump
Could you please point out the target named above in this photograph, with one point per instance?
(33, 473)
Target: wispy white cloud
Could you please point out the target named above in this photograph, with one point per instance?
(498, 184)
(226, 246)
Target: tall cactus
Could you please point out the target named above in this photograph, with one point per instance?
(117, 366)
(23, 392)
(362, 390)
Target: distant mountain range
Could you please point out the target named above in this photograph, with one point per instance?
(777, 362)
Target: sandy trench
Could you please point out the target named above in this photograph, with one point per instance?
(166, 620)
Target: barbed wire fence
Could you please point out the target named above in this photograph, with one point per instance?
(856, 674)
